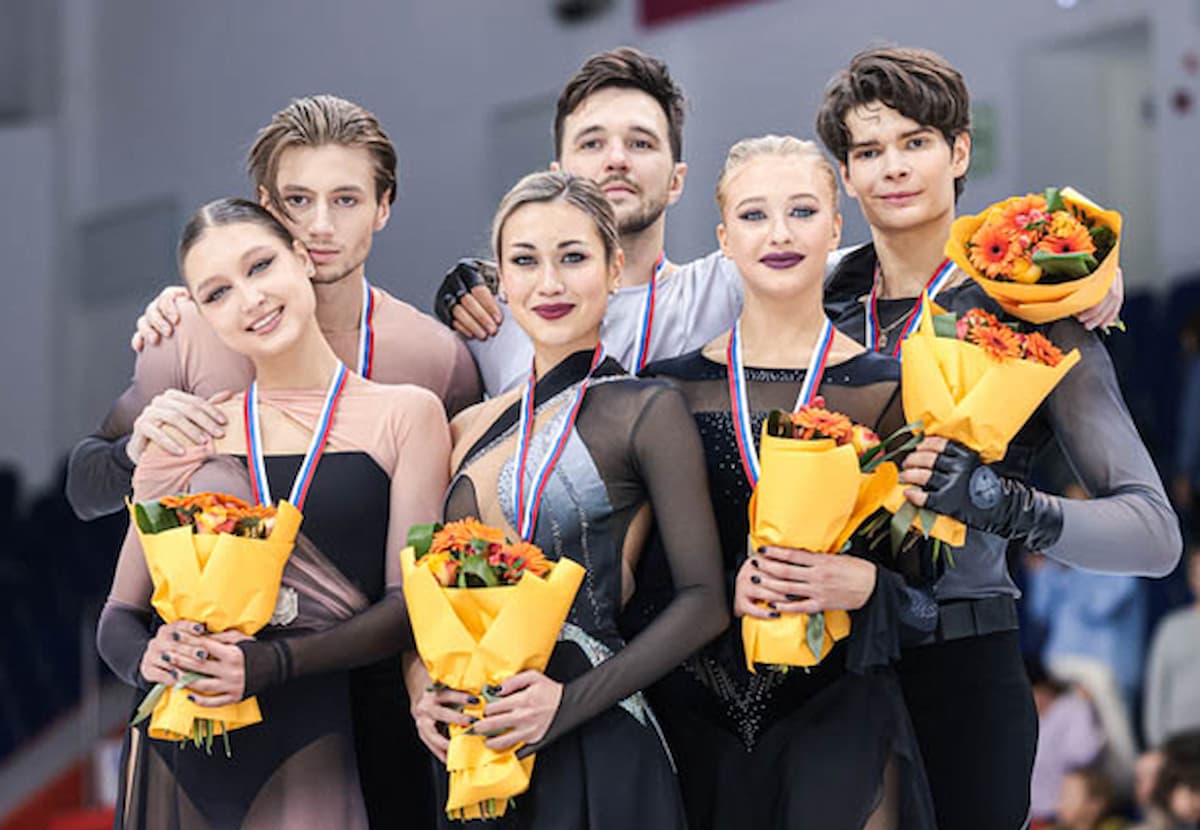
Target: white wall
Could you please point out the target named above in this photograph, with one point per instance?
(27, 240)
(162, 99)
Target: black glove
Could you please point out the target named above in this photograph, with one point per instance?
(458, 282)
(963, 487)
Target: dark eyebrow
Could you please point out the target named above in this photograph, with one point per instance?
(908, 134)
(567, 243)
(344, 188)
(597, 128)
(200, 287)
(254, 253)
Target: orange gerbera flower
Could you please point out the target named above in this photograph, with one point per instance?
(815, 422)
(455, 536)
(1024, 212)
(999, 342)
(1067, 235)
(991, 249)
(1038, 348)
(531, 557)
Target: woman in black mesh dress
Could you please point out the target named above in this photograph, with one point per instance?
(601, 453)
(829, 747)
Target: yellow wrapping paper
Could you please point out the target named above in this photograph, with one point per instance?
(469, 638)
(1042, 302)
(225, 582)
(811, 496)
(957, 391)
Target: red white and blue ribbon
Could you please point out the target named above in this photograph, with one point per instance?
(935, 284)
(528, 500)
(643, 345)
(740, 403)
(366, 332)
(254, 445)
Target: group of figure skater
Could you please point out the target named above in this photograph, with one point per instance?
(646, 716)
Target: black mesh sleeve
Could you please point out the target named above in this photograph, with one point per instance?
(379, 632)
(670, 460)
(121, 638)
(99, 476)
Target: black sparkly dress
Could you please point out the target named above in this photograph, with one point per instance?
(823, 748)
(603, 765)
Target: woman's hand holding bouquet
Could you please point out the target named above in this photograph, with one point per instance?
(216, 564)
(822, 478)
(486, 613)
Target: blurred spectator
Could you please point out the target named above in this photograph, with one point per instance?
(1087, 802)
(1178, 788)
(1187, 450)
(1069, 737)
(1095, 639)
(1145, 780)
(1172, 701)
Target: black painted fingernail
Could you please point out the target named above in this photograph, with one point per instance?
(175, 636)
(755, 579)
(199, 654)
(198, 628)
(774, 614)
(174, 673)
(762, 549)
(771, 605)
(192, 698)
(492, 690)
(472, 700)
(792, 597)
(474, 720)
(166, 658)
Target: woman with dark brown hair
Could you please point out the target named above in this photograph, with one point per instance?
(364, 461)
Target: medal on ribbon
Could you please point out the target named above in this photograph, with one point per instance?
(528, 500)
(739, 400)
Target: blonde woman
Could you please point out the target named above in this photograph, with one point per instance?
(831, 747)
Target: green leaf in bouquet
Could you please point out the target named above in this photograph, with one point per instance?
(1054, 199)
(899, 443)
(152, 517)
(188, 678)
(225, 740)
(926, 518)
(1066, 266)
(146, 707)
(946, 325)
(420, 538)
(814, 634)
(1104, 239)
(475, 572)
(901, 522)
(779, 424)
(1117, 324)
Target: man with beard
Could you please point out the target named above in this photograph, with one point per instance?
(619, 122)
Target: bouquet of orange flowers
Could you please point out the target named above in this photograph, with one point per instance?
(974, 379)
(1042, 257)
(216, 560)
(483, 608)
(822, 476)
